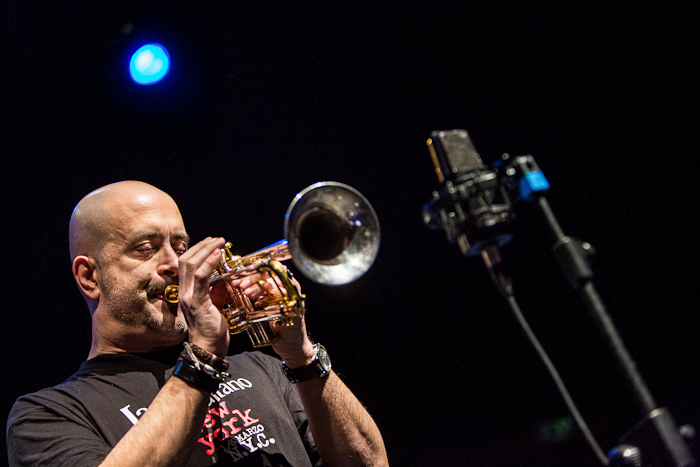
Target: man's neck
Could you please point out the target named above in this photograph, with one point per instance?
(118, 339)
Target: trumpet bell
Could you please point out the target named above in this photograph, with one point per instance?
(333, 233)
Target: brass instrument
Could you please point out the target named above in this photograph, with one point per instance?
(332, 237)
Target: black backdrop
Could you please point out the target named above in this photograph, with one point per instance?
(267, 98)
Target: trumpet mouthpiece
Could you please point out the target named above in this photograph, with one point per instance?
(170, 294)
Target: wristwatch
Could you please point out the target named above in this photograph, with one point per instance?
(320, 366)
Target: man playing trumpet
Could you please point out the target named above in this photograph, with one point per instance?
(157, 387)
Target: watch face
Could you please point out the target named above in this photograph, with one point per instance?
(323, 359)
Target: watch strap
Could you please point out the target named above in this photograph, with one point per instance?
(306, 372)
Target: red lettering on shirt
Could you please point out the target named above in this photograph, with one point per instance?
(245, 418)
(208, 442)
(209, 420)
(221, 411)
(229, 423)
(221, 433)
(224, 436)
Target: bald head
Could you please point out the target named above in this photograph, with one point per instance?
(125, 242)
(94, 218)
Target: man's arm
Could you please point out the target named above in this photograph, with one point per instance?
(166, 434)
(344, 433)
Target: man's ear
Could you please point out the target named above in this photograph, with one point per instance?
(84, 269)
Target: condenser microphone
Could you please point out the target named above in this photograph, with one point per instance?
(471, 206)
(454, 156)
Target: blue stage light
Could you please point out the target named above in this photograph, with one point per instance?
(149, 64)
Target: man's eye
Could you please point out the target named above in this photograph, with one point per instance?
(180, 248)
(145, 249)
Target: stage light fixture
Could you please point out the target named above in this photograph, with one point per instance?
(149, 64)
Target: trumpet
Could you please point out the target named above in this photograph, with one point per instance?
(331, 234)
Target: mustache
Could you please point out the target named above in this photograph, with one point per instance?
(158, 289)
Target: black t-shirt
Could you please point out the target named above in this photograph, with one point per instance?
(255, 417)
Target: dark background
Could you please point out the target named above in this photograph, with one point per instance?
(266, 98)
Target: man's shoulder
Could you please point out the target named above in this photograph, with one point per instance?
(91, 382)
(59, 399)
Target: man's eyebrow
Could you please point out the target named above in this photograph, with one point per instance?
(153, 235)
(145, 236)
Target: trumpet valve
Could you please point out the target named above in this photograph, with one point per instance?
(269, 299)
(237, 318)
(229, 261)
(286, 321)
(237, 309)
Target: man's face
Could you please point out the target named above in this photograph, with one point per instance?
(139, 258)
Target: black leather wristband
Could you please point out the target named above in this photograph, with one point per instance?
(210, 359)
(187, 372)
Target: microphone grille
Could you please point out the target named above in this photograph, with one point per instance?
(453, 153)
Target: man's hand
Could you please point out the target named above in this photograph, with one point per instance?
(344, 432)
(198, 300)
(294, 345)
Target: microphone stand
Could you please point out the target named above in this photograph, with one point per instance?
(473, 208)
(656, 435)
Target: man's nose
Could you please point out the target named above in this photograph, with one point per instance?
(169, 262)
